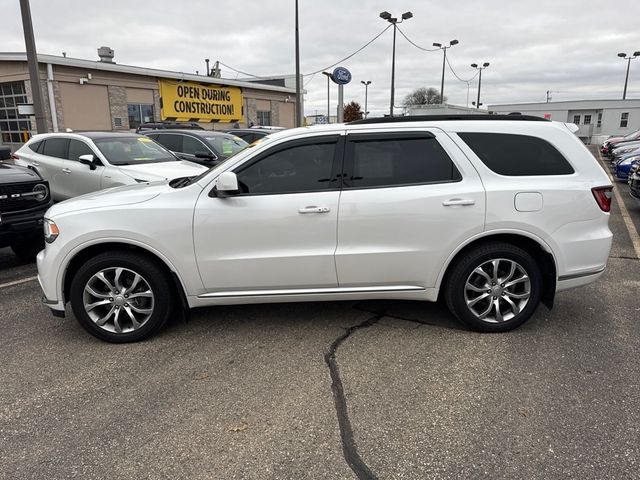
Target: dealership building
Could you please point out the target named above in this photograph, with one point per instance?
(87, 95)
(596, 119)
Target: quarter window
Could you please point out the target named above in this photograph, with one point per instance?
(517, 155)
(387, 162)
(297, 169)
(56, 147)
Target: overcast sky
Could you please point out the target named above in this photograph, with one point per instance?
(566, 46)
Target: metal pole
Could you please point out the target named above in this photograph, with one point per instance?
(298, 115)
(626, 79)
(32, 61)
(393, 69)
(366, 89)
(479, 84)
(328, 99)
(340, 103)
(444, 60)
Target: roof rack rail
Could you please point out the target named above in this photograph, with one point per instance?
(433, 118)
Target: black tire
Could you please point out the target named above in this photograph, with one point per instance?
(157, 307)
(469, 294)
(27, 248)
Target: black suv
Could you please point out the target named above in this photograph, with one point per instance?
(24, 197)
(168, 126)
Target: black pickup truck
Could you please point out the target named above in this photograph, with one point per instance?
(24, 197)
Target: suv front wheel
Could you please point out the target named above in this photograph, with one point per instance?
(121, 297)
(494, 287)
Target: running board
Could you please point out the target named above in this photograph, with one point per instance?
(312, 291)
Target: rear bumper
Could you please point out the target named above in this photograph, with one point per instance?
(573, 281)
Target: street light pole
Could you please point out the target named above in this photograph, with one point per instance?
(475, 65)
(444, 61)
(32, 62)
(328, 74)
(394, 21)
(299, 113)
(626, 78)
(366, 88)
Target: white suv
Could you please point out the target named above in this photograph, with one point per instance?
(492, 213)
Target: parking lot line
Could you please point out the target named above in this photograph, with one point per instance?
(18, 282)
(635, 239)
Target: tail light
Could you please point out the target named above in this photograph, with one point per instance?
(603, 197)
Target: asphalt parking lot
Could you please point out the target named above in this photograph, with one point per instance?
(346, 390)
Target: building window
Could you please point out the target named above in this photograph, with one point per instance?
(587, 119)
(139, 113)
(13, 128)
(576, 119)
(599, 120)
(264, 118)
(624, 119)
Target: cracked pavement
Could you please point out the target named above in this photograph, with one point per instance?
(251, 392)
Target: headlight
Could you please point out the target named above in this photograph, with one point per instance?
(41, 191)
(51, 231)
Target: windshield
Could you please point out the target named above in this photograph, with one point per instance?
(225, 144)
(133, 150)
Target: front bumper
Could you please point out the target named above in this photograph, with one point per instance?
(47, 278)
(15, 227)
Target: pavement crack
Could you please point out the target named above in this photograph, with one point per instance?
(349, 448)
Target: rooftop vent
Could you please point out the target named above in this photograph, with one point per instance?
(106, 54)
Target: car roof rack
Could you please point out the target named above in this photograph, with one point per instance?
(433, 118)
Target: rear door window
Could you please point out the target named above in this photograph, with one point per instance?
(56, 147)
(170, 141)
(517, 155)
(389, 160)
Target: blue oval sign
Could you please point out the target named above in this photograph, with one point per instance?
(341, 76)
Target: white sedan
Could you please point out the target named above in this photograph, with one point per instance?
(79, 163)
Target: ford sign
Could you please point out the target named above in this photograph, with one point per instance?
(341, 76)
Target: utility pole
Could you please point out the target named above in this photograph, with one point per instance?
(32, 61)
(298, 115)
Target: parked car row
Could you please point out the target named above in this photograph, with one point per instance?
(624, 158)
(60, 166)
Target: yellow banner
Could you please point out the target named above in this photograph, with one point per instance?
(192, 101)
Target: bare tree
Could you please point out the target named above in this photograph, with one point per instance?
(423, 96)
(352, 111)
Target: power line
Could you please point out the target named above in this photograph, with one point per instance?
(354, 53)
(416, 45)
(312, 74)
(456, 75)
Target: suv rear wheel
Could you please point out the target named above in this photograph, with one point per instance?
(494, 287)
(121, 297)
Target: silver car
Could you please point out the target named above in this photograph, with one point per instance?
(79, 163)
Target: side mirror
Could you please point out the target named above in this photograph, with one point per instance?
(205, 155)
(88, 160)
(227, 184)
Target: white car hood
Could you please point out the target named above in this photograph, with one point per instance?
(163, 170)
(110, 197)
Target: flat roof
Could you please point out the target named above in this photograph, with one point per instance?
(131, 69)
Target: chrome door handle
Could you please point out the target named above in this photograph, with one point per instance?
(66, 170)
(314, 209)
(35, 164)
(458, 201)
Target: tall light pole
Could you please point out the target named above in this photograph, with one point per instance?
(328, 74)
(32, 63)
(299, 113)
(626, 78)
(394, 21)
(366, 88)
(444, 61)
(475, 65)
